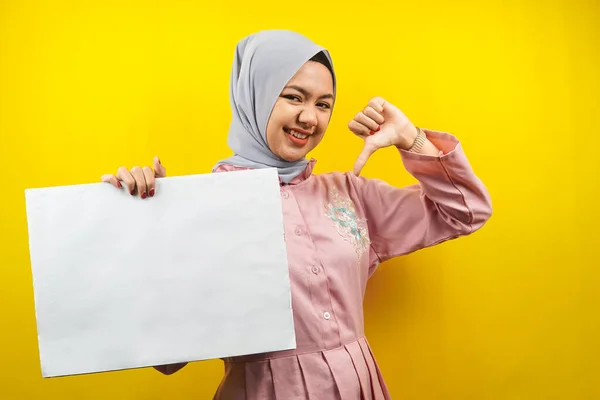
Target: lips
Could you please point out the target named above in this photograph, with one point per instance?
(297, 136)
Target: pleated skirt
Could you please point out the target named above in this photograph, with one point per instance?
(349, 372)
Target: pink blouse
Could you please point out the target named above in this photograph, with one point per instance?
(338, 229)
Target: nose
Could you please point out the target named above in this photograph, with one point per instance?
(308, 117)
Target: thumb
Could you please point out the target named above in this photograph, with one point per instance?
(364, 155)
(159, 170)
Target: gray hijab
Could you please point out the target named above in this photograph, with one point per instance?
(264, 63)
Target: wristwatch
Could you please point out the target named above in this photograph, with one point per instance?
(419, 141)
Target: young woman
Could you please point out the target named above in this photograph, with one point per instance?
(338, 226)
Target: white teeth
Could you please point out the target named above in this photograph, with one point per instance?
(298, 134)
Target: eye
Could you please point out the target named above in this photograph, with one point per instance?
(292, 97)
(324, 106)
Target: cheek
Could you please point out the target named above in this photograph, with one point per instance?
(274, 125)
(324, 119)
(273, 139)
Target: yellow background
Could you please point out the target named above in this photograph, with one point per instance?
(511, 312)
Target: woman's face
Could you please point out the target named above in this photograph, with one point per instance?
(302, 112)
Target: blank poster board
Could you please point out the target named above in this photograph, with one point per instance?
(197, 272)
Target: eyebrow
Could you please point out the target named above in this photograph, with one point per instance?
(305, 92)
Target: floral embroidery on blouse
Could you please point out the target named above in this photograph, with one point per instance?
(342, 212)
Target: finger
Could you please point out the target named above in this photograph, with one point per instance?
(377, 103)
(159, 170)
(125, 176)
(364, 155)
(358, 128)
(149, 176)
(110, 178)
(361, 118)
(140, 181)
(374, 115)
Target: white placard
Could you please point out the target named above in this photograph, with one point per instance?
(197, 272)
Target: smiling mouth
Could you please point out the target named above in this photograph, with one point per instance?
(296, 137)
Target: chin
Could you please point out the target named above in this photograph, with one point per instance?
(292, 157)
(291, 152)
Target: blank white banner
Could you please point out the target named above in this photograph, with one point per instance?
(197, 272)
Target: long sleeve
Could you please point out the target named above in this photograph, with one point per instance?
(448, 202)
